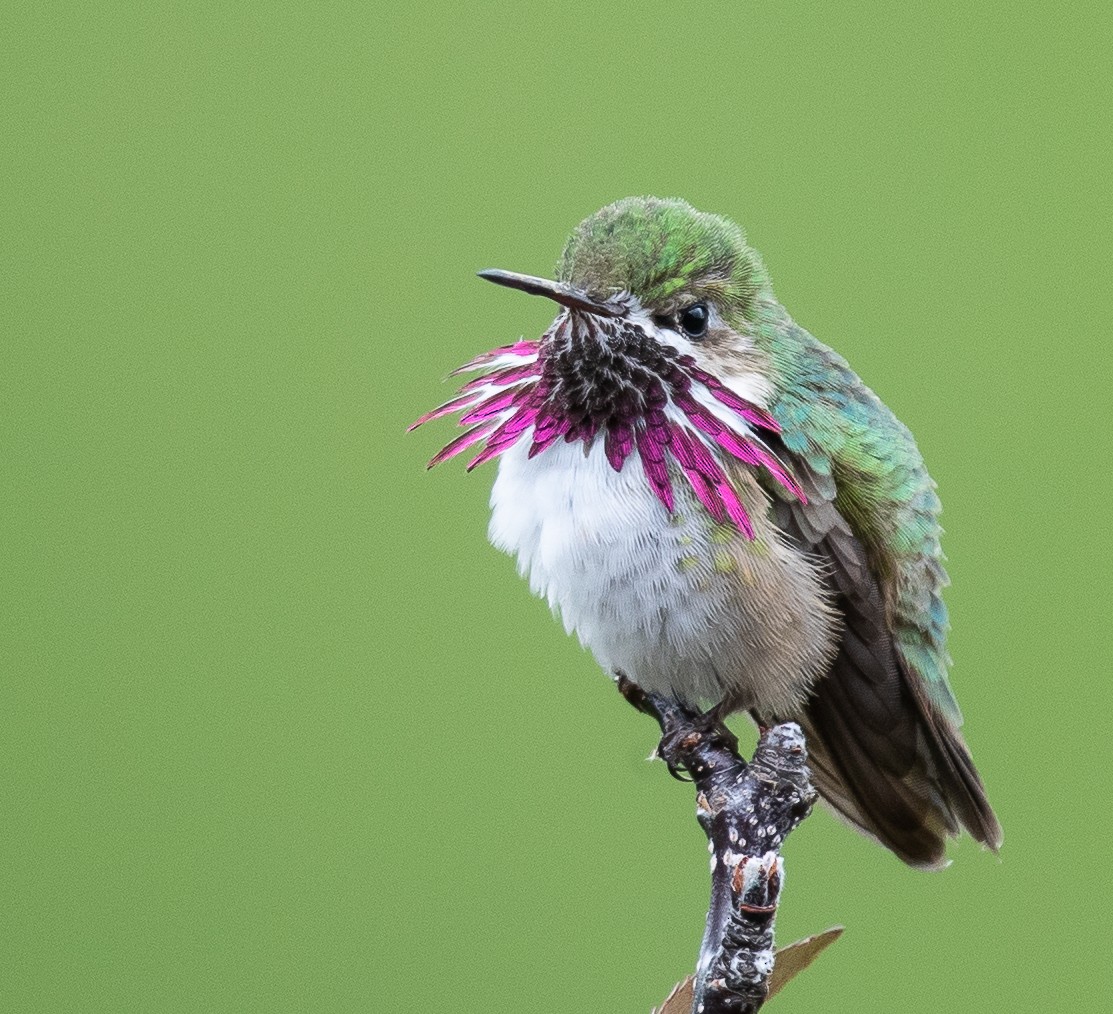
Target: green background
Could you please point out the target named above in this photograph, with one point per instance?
(279, 730)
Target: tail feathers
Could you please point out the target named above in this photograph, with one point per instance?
(910, 808)
(960, 779)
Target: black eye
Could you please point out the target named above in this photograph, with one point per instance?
(694, 320)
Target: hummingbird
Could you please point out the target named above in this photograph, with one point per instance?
(725, 514)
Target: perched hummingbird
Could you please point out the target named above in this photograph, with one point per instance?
(723, 512)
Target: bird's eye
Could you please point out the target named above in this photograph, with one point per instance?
(694, 320)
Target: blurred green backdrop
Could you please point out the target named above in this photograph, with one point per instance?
(280, 732)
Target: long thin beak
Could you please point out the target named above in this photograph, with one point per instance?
(559, 291)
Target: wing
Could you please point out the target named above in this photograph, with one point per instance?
(882, 725)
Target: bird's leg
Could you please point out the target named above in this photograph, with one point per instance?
(683, 730)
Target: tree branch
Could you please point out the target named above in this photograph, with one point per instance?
(746, 811)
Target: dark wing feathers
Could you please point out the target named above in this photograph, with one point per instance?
(883, 754)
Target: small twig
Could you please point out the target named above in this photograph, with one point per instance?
(746, 811)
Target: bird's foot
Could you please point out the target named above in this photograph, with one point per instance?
(682, 748)
(683, 730)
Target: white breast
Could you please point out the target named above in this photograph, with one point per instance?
(681, 605)
(600, 547)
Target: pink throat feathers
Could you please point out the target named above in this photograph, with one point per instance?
(591, 377)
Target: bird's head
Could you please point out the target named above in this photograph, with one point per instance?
(689, 273)
(652, 353)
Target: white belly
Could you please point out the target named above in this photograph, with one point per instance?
(679, 604)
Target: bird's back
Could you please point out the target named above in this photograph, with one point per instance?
(883, 724)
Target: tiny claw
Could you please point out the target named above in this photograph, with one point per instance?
(678, 774)
(676, 770)
(676, 743)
